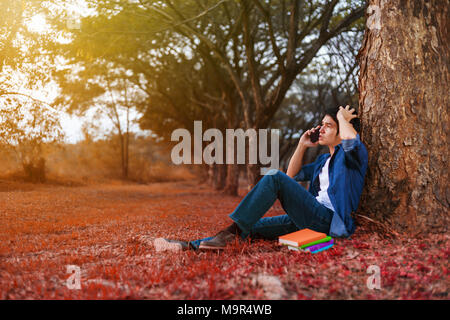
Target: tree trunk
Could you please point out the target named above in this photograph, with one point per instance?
(211, 173)
(220, 178)
(253, 175)
(35, 171)
(122, 155)
(202, 173)
(403, 103)
(125, 157)
(232, 181)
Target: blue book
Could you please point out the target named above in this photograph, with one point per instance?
(323, 249)
(320, 245)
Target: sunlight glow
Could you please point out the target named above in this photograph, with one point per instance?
(38, 24)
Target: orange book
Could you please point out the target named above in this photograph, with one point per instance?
(301, 237)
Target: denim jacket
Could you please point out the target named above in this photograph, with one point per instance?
(347, 170)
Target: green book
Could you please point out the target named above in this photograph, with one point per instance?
(326, 239)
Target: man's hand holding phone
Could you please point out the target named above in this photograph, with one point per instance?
(310, 138)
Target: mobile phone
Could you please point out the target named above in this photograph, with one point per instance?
(314, 136)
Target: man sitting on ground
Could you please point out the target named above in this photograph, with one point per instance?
(337, 179)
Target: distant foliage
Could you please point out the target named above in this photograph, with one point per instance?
(25, 127)
(95, 160)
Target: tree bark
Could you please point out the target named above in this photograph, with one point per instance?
(232, 180)
(220, 178)
(201, 172)
(403, 104)
(211, 173)
(35, 171)
(253, 175)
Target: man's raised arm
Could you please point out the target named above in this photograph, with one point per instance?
(295, 164)
(346, 130)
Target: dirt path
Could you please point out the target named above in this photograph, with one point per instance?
(107, 231)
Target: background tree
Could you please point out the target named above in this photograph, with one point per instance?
(270, 44)
(404, 103)
(331, 79)
(24, 59)
(223, 62)
(27, 123)
(105, 90)
(26, 127)
(180, 87)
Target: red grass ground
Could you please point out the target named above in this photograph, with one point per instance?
(107, 230)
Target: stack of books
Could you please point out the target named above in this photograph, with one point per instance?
(307, 240)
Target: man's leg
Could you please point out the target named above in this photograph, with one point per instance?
(302, 208)
(270, 228)
(300, 205)
(266, 228)
(196, 243)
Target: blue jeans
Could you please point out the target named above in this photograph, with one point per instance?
(302, 208)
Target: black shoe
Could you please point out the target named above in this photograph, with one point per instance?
(220, 241)
(162, 244)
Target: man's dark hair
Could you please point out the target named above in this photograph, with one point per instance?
(332, 112)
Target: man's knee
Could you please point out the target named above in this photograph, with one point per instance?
(272, 172)
(278, 174)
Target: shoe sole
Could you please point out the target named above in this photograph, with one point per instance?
(161, 244)
(206, 247)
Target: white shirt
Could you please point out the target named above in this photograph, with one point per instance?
(322, 197)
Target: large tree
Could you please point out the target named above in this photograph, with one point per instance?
(26, 123)
(26, 127)
(23, 51)
(404, 102)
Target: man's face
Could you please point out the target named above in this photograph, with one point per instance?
(328, 132)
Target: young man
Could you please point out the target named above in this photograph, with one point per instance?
(337, 179)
